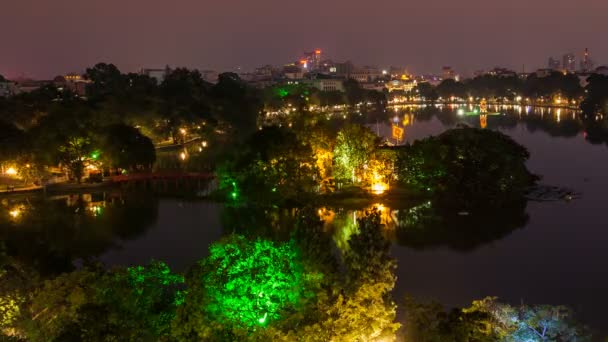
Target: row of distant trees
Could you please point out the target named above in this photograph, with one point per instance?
(120, 118)
(567, 86)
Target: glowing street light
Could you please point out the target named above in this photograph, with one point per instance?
(11, 171)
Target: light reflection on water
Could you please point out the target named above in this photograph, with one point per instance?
(550, 253)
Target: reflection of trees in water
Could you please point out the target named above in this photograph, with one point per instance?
(568, 123)
(51, 234)
(428, 226)
(596, 130)
(270, 222)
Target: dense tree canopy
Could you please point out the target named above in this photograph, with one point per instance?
(490, 320)
(123, 146)
(472, 166)
(272, 164)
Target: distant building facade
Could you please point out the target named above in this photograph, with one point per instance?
(329, 84)
(569, 62)
(365, 74)
(447, 73)
(400, 85)
(73, 82)
(157, 74)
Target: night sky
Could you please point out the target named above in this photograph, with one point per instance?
(43, 38)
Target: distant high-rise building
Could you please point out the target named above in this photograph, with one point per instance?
(569, 62)
(586, 62)
(312, 60)
(448, 73)
(553, 64)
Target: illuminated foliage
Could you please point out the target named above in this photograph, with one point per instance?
(242, 286)
(363, 310)
(489, 320)
(134, 304)
(345, 226)
(368, 257)
(148, 295)
(355, 146)
(530, 322)
(273, 165)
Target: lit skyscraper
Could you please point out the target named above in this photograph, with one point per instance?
(569, 62)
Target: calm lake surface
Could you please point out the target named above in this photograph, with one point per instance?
(541, 253)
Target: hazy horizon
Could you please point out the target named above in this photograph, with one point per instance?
(44, 39)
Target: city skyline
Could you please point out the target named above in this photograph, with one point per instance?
(47, 39)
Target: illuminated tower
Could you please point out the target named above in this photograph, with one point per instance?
(317, 59)
(313, 60)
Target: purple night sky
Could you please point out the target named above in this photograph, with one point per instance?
(43, 38)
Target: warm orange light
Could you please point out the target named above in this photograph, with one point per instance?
(318, 52)
(379, 188)
(15, 213)
(303, 61)
(11, 171)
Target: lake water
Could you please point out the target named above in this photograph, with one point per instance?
(540, 253)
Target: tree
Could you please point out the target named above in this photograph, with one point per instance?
(473, 166)
(243, 286)
(272, 165)
(106, 80)
(530, 323)
(12, 141)
(489, 320)
(450, 88)
(65, 137)
(354, 92)
(426, 91)
(597, 95)
(236, 103)
(354, 148)
(429, 322)
(136, 303)
(125, 147)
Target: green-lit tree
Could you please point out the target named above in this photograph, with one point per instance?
(271, 166)
(244, 286)
(136, 303)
